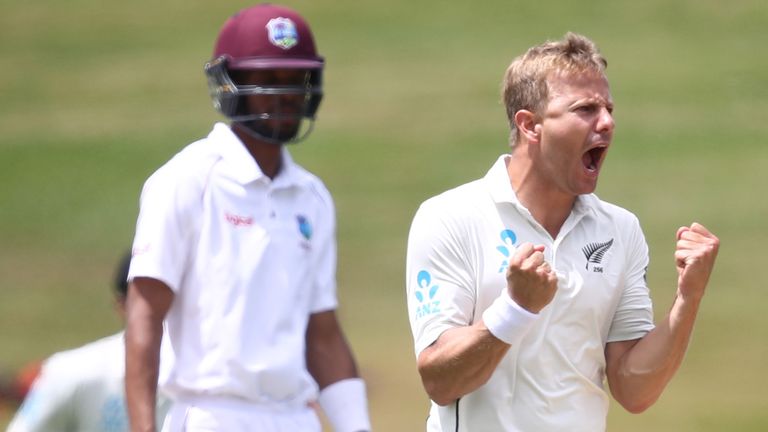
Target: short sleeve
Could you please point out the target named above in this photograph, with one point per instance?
(440, 294)
(634, 313)
(163, 229)
(324, 287)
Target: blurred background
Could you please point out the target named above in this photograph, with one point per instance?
(96, 95)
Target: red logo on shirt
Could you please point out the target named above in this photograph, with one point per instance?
(140, 250)
(238, 220)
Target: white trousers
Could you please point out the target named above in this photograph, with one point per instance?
(226, 415)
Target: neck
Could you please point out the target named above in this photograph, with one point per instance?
(267, 155)
(548, 206)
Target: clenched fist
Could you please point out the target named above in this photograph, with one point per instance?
(530, 280)
(695, 257)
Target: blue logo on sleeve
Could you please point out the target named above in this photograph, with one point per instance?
(425, 294)
(508, 239)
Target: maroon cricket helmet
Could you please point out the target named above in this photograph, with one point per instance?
(267, 36)
(264, 37)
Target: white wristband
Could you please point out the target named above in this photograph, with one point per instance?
(506, 320)
(346, 406)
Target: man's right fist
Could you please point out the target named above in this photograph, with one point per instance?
(531, 282)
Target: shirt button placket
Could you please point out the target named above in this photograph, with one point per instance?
(271, 204)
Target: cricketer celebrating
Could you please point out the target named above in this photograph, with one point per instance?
(234, 257)
(525, 290)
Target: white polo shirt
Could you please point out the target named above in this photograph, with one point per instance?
(458, 251)
(248, 258)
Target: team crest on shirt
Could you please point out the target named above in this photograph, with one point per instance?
(282, 33)
(425, 295)
(594, 253)
(508, 240)
(305, 228)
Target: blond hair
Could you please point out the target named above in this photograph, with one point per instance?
(525, 81)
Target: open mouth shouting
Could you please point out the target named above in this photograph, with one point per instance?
(593, 158)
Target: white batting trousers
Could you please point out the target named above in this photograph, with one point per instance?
(215, 414)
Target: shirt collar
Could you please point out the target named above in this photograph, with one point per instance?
(244, 167)
(499, 186)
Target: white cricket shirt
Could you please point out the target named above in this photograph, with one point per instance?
(80, 390)
(458, 251)
(248, 258)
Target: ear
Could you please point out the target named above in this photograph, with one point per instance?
(528, 125)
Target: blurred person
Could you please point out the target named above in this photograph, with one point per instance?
(233, 276)
(525, 290)
(82, 390)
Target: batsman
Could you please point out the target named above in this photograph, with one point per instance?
(232, 296)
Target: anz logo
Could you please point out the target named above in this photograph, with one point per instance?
(594, 253)
(508, 240)
(425, 294)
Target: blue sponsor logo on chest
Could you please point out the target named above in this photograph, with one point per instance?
(508, 240)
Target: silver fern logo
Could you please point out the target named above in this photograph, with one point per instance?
(594, 253)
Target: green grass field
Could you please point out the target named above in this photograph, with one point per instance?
(96, 96)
